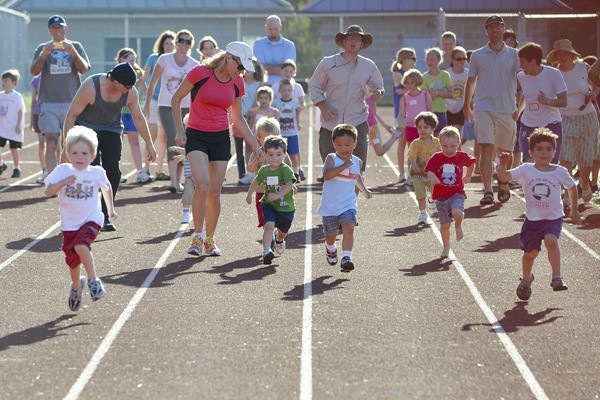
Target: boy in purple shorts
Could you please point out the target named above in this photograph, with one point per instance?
(542, 183)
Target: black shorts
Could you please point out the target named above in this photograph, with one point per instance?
(216, 145)
(11, 143)
(455, 119)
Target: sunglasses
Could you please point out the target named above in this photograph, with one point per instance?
(186, 41)
(460, 59)
(240, 66)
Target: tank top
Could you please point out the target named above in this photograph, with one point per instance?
(338, 193)
(414, 105)
(102, 116)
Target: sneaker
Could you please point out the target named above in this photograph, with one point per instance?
(108, 226)
(42, 177)
(3, 168)
(524, 289)
(423, 218)
(347, 264)
(96, 289)
(195, 247)
(122, 179)
(558, 284)
(16, 173)
(185, 217)
(320, 179)
(143, 177)
(297, 177)
(431, 206)
(161, 176)
(280, 248)
(331, 256)
(75, 296)
(268, 257)
(301, 174)
(246, 179)
(402, 177)
(210, 248)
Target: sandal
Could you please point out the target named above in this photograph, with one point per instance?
(503, 194)
(488, 198)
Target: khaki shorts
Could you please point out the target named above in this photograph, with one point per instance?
(494, 128)
(52, 117)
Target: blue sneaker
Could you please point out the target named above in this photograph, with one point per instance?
(75, 296)
(347, 264)
(96, 289)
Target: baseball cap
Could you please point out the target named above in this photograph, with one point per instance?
(56, 19)
(242, 51)
(124, 74)
(493, 20)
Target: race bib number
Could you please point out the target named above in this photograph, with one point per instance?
(534, 106)
(272, 180)
(412, 102)
(448, 168)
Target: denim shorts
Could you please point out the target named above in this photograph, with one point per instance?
(445, 207)
(282, 219)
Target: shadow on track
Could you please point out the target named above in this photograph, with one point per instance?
(435, 265)
(319, 286)
(519, 317)
(165, 277)
(28, 336)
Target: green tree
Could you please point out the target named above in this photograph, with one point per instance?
(304, 31)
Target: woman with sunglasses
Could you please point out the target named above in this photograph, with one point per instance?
(171, 69)
(218, 85)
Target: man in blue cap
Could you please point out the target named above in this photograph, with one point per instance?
(97, 105)
(60, 63)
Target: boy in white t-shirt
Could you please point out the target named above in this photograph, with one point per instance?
(542, 183)
(77, 185)
(12, 119)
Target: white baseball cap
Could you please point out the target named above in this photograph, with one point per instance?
(242, 51)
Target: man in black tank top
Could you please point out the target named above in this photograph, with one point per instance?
(97, 105)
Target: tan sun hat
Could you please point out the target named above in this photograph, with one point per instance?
(561, 45)
(354, 30)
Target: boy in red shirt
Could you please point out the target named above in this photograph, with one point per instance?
(445, 170)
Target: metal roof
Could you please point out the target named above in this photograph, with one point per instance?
(450, 6)
(149, 6)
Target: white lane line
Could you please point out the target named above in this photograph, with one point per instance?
(29, 246)
(110, 337)
(306, 384)
(22, 180)
(511, 349)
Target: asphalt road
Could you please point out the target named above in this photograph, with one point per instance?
(403, 325)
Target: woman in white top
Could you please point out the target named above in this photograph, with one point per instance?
(541, 91)
(172, 69)
(580, 123)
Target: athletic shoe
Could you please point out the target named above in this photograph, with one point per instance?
(195, 247)
(108, 226)
(401, 177)
(331, 256)
(422, 219)
(185, 217)
(431, 206)
(42, 177)
(524, 289)
(268, 257)
(297, 177)
(280, 247)
(143, 177)
(558, 284)
(122, 179)
(75, 296)
(16, 173)
(210, 248)
(3, 168)
(96, 289)
(347, 264)
(246, 179)
(301, 174)
(161, 176)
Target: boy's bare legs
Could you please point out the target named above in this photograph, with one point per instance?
(348, 238)
(268, 229)
(551, 243)
(445, 232)
(458, 216)
(87, 259)
(422, 203)
(15, 157)
(528, 259)
(42, 151)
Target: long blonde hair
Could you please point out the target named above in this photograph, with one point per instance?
(216, 62)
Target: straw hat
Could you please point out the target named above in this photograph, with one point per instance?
(354, 30)
(561, 45)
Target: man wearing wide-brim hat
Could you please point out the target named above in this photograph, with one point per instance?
(339, 86)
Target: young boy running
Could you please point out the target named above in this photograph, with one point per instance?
(541, 181)
(341, 174)
(277, 203)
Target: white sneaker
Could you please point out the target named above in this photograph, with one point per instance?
(423, 218)
(247, 179)
(401, 177)
(431, 206)
(143, 177)
(42, 178)
(185, 217)
(279, 248)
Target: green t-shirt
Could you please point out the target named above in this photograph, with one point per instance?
(273, 182)
(438, 82)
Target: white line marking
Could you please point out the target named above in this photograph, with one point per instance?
(306, 384)
(17, 183)
(110, 337)
(511, 349)
(29, 246)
